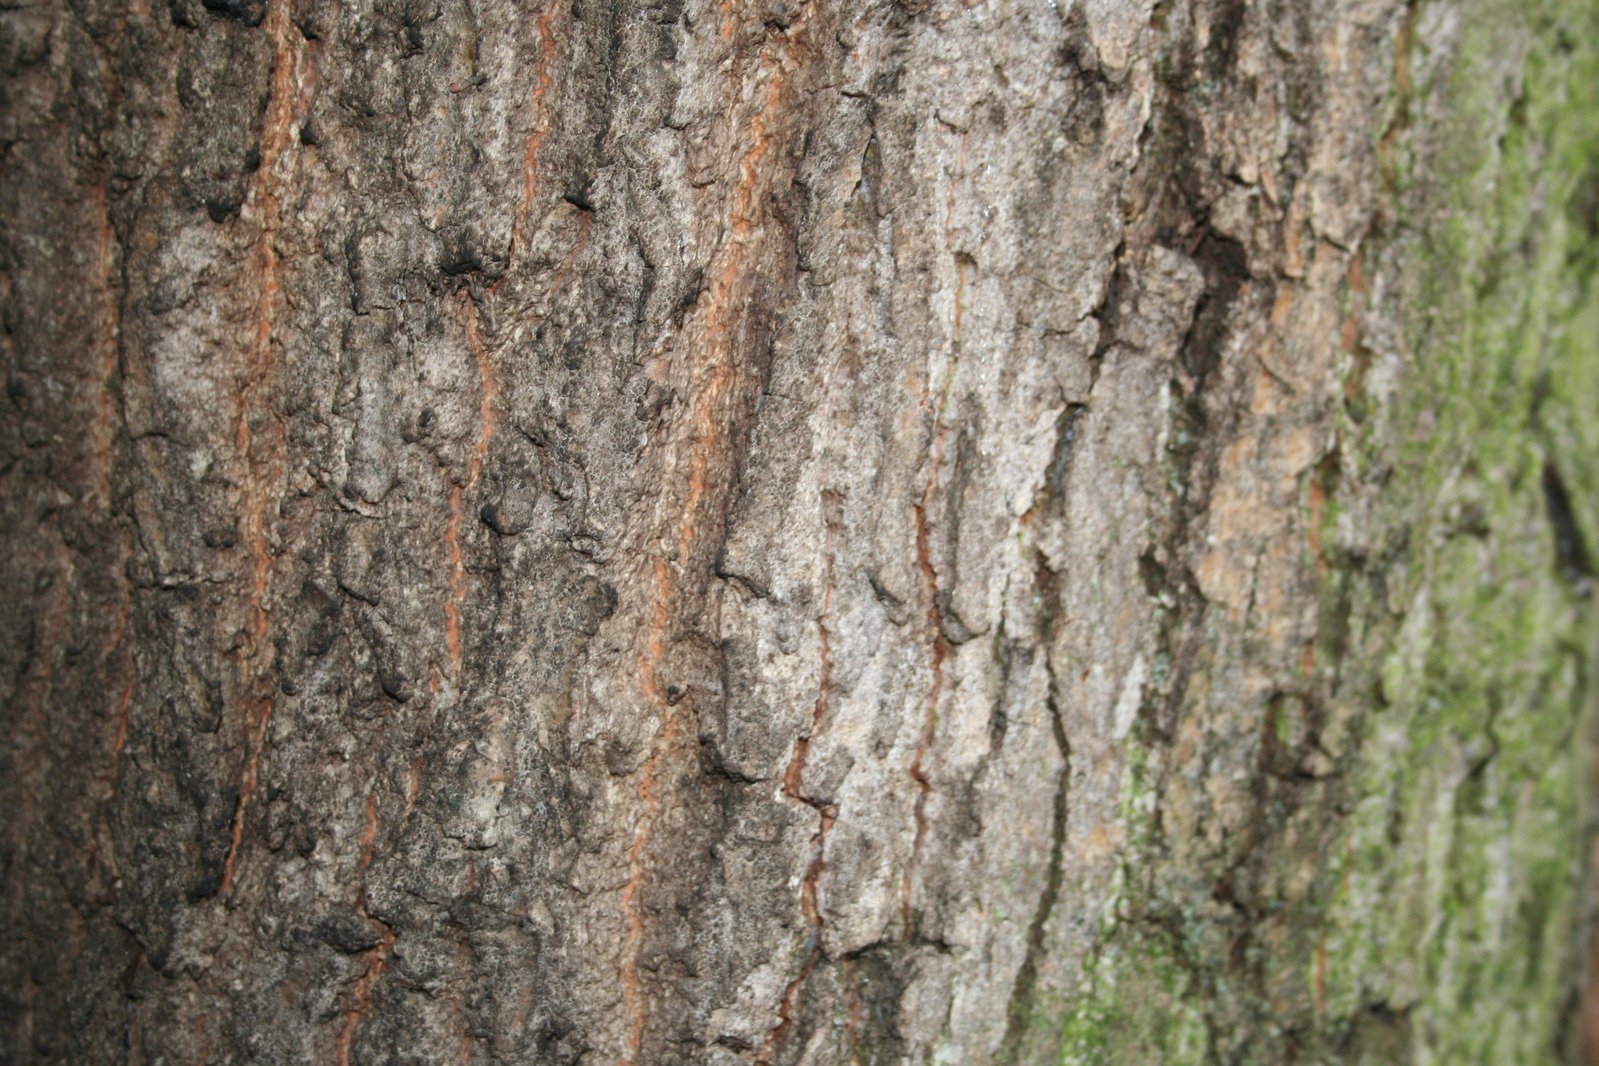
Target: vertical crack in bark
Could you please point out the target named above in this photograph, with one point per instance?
(263, 471)
(940, 650)
(924, 558)
(793, 787)
(1019, 1010)
(714, 376)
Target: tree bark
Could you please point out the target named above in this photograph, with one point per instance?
(798, 532)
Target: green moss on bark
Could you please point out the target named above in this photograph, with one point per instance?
(1458, 900)
(1449, 911)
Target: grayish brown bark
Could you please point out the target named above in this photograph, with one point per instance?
(745, 532)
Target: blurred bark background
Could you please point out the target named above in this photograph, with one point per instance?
(791, 531)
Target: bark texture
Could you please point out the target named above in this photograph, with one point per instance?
(796, 531)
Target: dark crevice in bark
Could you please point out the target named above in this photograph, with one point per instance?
(1060, 463)
(793, 788)
(1019, 1010)
(1571, 547)
(940, 644)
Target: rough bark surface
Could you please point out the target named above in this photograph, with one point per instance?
(796, 531)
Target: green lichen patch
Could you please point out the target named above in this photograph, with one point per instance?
(1455, 904)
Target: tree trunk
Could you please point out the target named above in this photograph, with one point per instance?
(798, 531)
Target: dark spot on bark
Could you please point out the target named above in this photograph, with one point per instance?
(420, 427)
(491, 517)
(308, 134)
(892, 604)
(222, 209)
(221, 538)
(870, 186)
(578, 192)
(348, 933)
(214, 705)
(1060, 463)
(1152, 573)
(593, 604)
(464, 261)
(1225, 29)
(950, 623)
(247, 12)
(1226, 268)
(752, 585)
(395, 685)
(322, 625)
(1571, 547)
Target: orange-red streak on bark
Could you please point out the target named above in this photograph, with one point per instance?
(530, 172)
(363, 997)
(275, 139)
(368, 839)
(707, 440)
(378, 957)
(488, 394)
(541, 127)
(124, 706)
